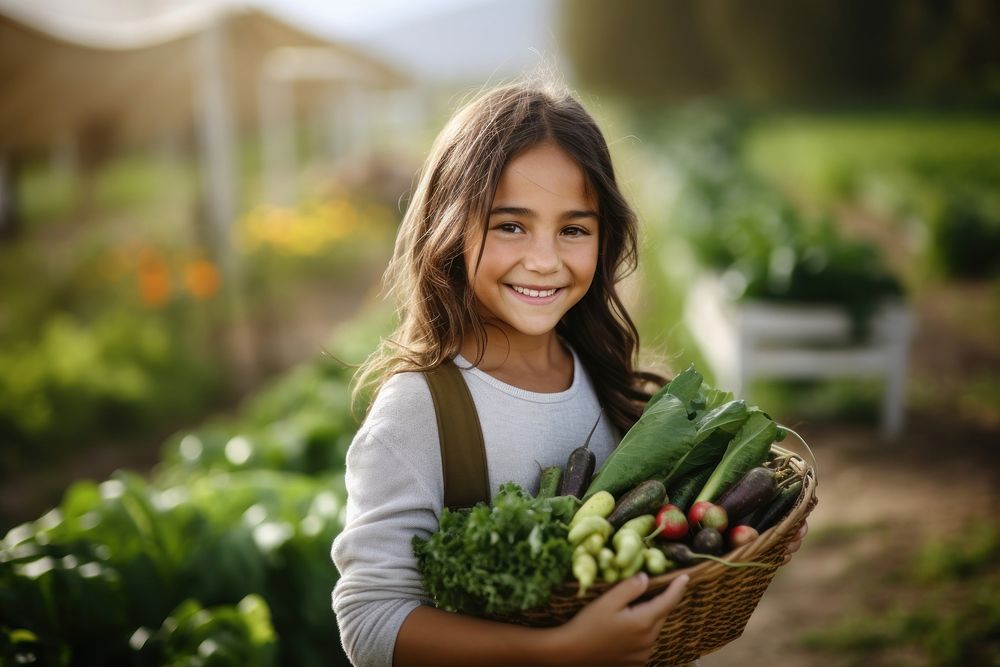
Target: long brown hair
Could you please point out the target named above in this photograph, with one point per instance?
(427, 274)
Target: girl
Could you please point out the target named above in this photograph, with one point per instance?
(506, 263)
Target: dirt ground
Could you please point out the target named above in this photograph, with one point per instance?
(877, 503)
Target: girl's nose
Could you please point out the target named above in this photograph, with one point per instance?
(542, 256)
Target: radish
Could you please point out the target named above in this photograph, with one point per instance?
(670, 523)
(708, 515)
(697, 511)
(681, 555)
(741, 535)
(707, 541)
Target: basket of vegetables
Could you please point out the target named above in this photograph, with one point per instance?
(697, 486)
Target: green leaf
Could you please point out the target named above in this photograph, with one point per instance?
(662, 436)
(684, 386)
(715, 429)
(728, 417)
(748, 448)
(716, 397)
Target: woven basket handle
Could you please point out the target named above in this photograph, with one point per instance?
(809, 451)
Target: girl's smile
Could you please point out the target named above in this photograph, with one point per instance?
(540, 253)
(535, 295)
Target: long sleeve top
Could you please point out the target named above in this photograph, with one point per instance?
(395, 487)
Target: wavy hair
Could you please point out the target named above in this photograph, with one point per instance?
(450, 206)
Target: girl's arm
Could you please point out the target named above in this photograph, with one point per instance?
(608, 632)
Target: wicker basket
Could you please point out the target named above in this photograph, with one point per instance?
(718, 601)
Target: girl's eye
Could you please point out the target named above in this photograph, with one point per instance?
(575, 231)
(509, 227)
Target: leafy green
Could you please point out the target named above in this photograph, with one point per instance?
(662, 436)
(715, 430)
(685, 386)
(125, 553)
(748, 448)
(728, 417)
(239, 635)
(716, 397)
(496, 559)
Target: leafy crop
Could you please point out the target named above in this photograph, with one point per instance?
(124, 557)
(497, 559)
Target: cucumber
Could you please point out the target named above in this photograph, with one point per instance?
(548, 485)
(645, 498)
(682, 492)
(751, 491)
(579, 469)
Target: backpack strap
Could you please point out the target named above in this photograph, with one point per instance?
(463, 452)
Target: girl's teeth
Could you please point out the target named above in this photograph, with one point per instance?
(533, 292)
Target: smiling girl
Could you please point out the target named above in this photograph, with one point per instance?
(505, 265)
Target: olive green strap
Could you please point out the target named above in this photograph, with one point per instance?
(463, 453)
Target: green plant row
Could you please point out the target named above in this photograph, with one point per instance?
(222, 557)
(118, 374)
(939, 175)
(752, 235)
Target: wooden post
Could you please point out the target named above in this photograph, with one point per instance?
(216, 135)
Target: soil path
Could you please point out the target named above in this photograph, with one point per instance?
(878, 503)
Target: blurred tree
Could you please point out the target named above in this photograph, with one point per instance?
(10, 219)
(787, 51)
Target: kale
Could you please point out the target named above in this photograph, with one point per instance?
(497, 559)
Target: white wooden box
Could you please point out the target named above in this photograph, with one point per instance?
(744, 340)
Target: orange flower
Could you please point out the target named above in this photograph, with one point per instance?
(154, 285)
(201, 278)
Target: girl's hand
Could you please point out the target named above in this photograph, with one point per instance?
(610, 632)
(796, 542)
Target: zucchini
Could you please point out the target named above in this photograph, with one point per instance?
(645, 498)
(686, 488)
(548, 485)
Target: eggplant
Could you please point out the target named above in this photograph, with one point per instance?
(778, 508)
(579, 470)
(751, 491)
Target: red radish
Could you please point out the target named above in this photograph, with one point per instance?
(715, 517)
(708, 515)
(670, 523)
(697, 511)
(740, 535)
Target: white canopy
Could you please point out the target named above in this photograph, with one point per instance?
(134, 72)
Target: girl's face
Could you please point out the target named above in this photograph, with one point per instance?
(541, 243)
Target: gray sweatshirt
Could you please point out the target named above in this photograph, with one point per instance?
(395, 488)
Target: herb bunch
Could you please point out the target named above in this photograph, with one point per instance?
(497, 559)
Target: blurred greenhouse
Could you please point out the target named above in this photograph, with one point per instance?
(197, 200)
